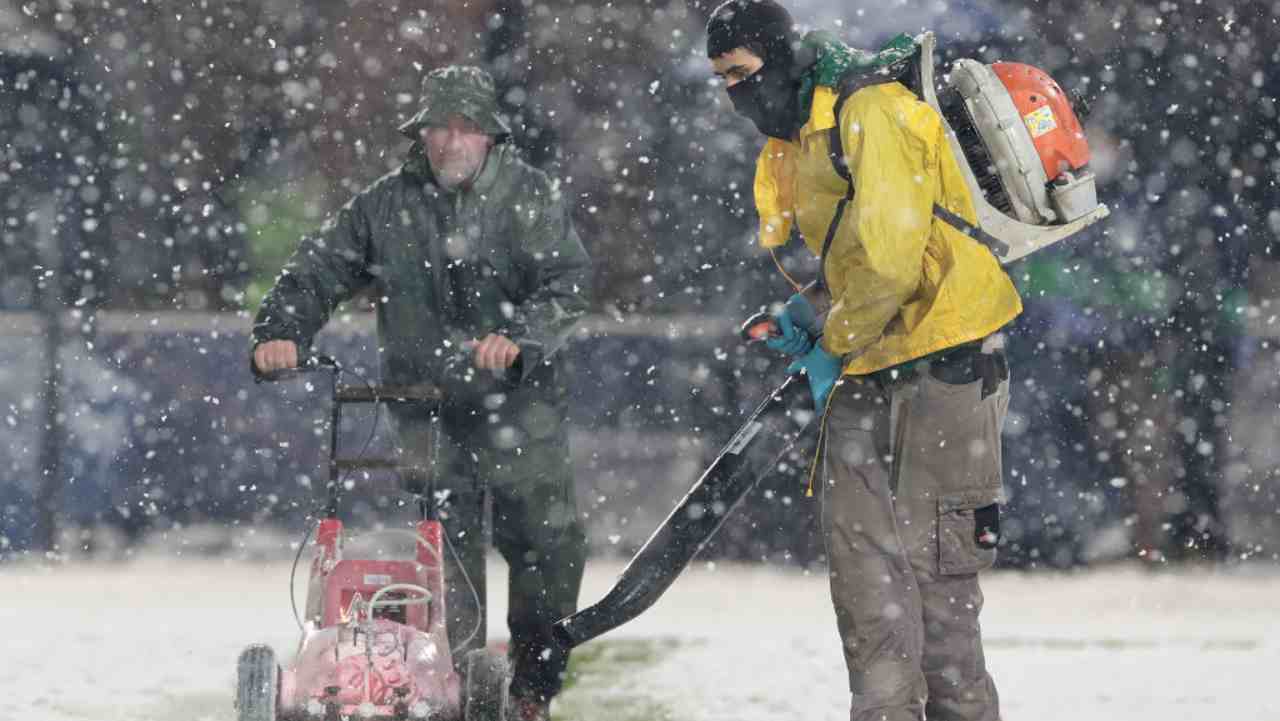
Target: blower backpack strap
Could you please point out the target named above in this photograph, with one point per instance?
(903, 71)
(907, 72)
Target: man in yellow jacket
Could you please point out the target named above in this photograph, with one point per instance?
(908, 367)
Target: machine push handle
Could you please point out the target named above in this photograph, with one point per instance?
(311, 362)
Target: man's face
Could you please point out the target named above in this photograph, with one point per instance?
(736, 65)
(456, 151)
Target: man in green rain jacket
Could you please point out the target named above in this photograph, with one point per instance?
(467, 248)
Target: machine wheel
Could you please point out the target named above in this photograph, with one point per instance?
(485, 693)
(257, 684)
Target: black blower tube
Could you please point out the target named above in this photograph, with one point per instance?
(752, 453)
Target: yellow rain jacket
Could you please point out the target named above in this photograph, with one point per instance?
(903, 283)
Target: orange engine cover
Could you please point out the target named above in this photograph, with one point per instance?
(1046, 110)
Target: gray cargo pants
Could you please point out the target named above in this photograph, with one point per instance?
(911, 479)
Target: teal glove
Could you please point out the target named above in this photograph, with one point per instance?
(794, 321)
(822, 369)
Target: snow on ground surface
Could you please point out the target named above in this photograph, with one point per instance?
(157, 638)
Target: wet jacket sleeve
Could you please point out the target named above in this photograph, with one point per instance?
(556, 274)
(328, 268)
(876, 259)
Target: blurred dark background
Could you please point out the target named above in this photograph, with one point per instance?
(160, 161)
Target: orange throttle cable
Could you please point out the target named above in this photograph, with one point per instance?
(773, 254)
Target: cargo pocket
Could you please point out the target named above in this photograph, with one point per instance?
(950, 438)
(968, 531)
(950, 458)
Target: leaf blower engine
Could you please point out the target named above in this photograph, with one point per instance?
(1024, 151)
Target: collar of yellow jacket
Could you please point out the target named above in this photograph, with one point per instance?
(776, 172)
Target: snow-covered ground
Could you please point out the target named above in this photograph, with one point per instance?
(157, 639)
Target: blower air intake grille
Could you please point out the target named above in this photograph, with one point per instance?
(975, 152)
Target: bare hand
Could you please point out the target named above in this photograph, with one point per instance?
(495, 352)
(275, 355)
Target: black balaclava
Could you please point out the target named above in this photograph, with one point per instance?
(769, 97)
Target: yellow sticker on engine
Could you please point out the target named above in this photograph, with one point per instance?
(1040, 121)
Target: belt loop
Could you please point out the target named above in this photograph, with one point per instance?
(992, 343)
(988, 363)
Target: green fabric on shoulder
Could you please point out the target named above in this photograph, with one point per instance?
(835, 59)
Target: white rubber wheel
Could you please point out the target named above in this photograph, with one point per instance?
(257, 684)
(487, 681)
